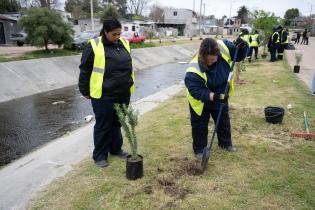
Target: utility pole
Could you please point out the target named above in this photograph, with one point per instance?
(194, 6)
(92, 19)
(200, 18)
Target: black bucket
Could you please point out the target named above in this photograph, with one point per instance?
(274, 114)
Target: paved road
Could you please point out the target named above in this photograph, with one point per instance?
(15, 50)
(308, 61)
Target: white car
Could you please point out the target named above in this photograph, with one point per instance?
(19, 38)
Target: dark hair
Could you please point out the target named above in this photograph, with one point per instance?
(208, 46)
(109, 24)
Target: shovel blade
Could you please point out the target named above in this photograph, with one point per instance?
(205, 158)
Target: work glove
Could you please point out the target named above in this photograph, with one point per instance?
(220, 98)
(239, 43)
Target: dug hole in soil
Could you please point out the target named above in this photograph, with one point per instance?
(180, 167)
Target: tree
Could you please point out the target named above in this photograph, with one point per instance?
(45, 26)
(290, 14)
(157, 13)
(136, 7)
(86, 6)
(121, 5)
(109, 11)
(264, 22)
(50, 4)
(242, 14)
(9, 6)
(75, 8)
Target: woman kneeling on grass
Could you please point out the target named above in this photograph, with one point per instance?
(206, 78)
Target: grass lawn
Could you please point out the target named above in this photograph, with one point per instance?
(271, 170)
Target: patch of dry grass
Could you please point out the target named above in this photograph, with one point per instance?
(271, 170)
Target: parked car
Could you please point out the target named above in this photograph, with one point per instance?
(133, 37)
(19, 38)
(81, 40)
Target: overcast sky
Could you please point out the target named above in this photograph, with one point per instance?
(222, 7)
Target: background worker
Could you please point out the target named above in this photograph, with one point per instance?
(253, 43)
(273, 44)
(107, 77)
(244, 35)
(298, 37)
(284, 40)
(205, 80)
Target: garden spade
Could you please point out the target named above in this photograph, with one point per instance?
(207, 149)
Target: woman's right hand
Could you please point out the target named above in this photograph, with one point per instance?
(87, 97)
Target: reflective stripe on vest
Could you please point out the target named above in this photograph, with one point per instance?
(278, 39)
(254, 42)
(286, 41)
(193, 67)
(97, 76)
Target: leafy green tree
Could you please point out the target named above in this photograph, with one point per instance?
(9, 6)
(290, 14)
(110, 10)
(242, 14)
(45, 26)
(264, 22)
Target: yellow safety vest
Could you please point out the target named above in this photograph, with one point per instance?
(286, 41)
(193, 67)
(245, 38)
(97, 76)
(254, 42)
(278, 40)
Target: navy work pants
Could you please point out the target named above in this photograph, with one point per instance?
(200, 124)
(251, 49)
(107, 132)
(273, 54)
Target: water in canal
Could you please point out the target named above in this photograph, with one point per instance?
(29, 122)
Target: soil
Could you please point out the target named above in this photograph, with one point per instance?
(148, 189)
(181, 166)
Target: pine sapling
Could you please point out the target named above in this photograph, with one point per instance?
(298, 58)
(128, 118)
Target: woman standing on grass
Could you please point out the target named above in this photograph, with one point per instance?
(107, 77)
(206, 78)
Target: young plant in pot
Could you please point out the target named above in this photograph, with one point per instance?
(128, 118)
(298, 59)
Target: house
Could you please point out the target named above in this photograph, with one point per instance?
(231, 26)
(184, 20)
(210, 26)
(8, 26)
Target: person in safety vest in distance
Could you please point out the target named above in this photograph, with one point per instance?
(244, 35)
(205, 80)
(107, 77)
(273, 44)
(254, 42)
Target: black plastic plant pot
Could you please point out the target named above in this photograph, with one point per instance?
(280, 57)
(296, 69)
(134, 168)
(274, 115)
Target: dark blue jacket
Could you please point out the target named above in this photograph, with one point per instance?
(217, 75)
(117, 77)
